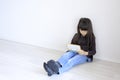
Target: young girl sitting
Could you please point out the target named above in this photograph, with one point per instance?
(85, 39)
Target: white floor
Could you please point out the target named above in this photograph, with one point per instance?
(24, 62)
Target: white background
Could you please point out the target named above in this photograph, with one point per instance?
(52, 23)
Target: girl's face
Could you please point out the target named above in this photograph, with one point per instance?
(83, 32)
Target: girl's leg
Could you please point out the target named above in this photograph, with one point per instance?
(78, 59)
(54, 66)
(64, 58)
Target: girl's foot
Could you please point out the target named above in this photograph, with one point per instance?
(47, 69)
(53, 66)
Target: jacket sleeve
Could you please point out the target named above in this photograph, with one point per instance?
(74, 39)
(92, 50)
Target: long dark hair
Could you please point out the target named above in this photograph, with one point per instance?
(86, 24)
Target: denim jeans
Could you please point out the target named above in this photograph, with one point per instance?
(70, 59)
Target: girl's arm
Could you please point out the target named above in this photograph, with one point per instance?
(92, 49)
(75, 39)
(82, 52)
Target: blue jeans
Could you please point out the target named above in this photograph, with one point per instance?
(70, 59)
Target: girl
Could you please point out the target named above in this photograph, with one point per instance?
(85, 39)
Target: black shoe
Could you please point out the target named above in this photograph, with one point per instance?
(47, 69)
(53, 66)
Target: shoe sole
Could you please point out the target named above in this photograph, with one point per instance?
(47, 69)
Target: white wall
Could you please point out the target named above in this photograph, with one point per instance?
(52, 23)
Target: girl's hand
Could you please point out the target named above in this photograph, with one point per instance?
(82, 52)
